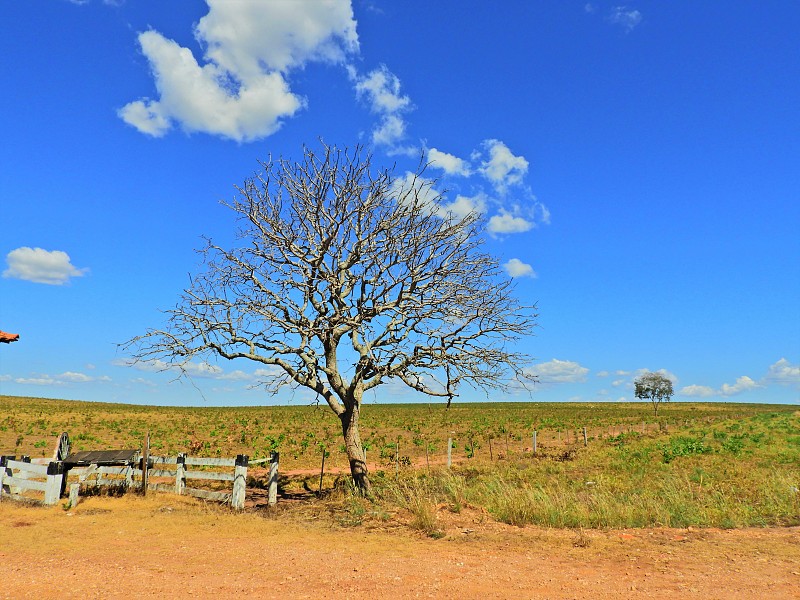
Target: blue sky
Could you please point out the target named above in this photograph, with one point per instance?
(638, 165)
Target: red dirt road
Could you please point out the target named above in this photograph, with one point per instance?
(166, 546)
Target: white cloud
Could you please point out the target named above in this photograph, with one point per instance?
(41, 266)
(241, 91)
(244, 37)
(602, 373)
(450, 164)
(743, 384)
(784, 372)
(63, 378)
(700, 391)
(75, 377)
(411, 186)
(559, 371)
(40, 380)
(506, 222)
(463, 206)
(516, 268)
(389, 131)
(628, 19)
(502, 168)
(202, 370)
(663, 372)
(380, 88)
(237, 375)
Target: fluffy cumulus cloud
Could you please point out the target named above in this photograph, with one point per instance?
(450, 164)
(501, 167)
(506, 221)
(698, 391)
(743, 384)
(52, 267)
(464, 205)
(559, 371)
(240, 90)
(516, 268)
(380, 89)
(784, 372)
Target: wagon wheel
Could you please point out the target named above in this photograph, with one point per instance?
(62, 447)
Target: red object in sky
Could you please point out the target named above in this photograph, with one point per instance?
(7, 338)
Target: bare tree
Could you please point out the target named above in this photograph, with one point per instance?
(346, 279)
(654, 387)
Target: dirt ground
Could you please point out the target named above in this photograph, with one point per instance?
(169, 546)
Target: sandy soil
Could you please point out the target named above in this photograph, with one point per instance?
(168, 546)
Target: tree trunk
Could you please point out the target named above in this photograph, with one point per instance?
(355, 452)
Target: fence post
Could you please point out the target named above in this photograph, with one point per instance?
(397, 458)
(74, 490)
(585, 439)
(145, 463)
(239, 482)
(52, 490)
(534, 442)
(3, 461)
(449, 452)
(273, 479)
(180, 474)
(322, 471)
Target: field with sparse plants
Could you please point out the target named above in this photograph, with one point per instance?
(698, 464)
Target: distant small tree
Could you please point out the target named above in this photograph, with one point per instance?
(345, 279)
(654, 387)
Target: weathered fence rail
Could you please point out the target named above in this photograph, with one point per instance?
(20, 478)
(180, 474)
(177, 470)
(23, 480)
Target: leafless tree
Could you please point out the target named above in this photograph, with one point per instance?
(347, 278)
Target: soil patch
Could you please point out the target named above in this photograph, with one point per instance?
(168, 546)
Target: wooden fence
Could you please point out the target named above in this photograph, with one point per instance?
(171, 474)
(177, 469)
(19, 478)
(23, 480)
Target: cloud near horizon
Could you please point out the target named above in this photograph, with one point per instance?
(62, 379)
(743, 384)
(558, 371)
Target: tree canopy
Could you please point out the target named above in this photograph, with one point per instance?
(653, 387)
(346, 278)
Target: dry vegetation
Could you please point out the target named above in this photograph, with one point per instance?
(702, 465)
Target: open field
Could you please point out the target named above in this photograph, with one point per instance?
(31, 425)
(703, 503)
(701, 465)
